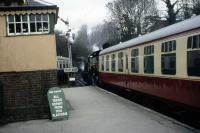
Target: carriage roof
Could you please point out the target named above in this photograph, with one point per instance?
(177, 28)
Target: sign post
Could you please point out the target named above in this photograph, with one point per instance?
(57, 104)
(71, 70)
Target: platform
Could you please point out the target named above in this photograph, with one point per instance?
(94, 110)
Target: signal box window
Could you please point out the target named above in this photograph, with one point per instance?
(107, 63)
(168, 57)
(113, 62)
(120, 62)
(39, 23)
(28, 24)
(149, 59)
(193, 56)
(134, 61)
(102, 63)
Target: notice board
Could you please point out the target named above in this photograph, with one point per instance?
(57, 104)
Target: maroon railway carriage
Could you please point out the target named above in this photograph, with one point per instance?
(164, 63)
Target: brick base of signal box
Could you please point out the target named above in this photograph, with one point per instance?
(23, 95)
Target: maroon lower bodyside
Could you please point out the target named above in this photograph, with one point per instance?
(178, 90)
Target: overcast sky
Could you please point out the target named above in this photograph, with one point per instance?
(79, 12)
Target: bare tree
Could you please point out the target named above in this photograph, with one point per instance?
(186, 9)
(104, 33)
(152, 23)
(110, 33)
(196, 7)
(129, 16)
(119, 16)
(172, 13)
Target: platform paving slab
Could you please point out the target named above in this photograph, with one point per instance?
(94, 110)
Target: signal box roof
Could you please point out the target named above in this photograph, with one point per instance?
(28, 5)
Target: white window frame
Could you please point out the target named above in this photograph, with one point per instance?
(120, 60)
(29, 31)
(149, 52)
(135, 57)
(192, 49)
(113, 60)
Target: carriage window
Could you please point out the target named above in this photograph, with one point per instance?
(193, 56)
(168, 63)
(120, 62)
(193, 42)
(102, 63)
(126, 61)
(113, 62)
(149, 59)
(168, 58)
(134, 60)
(107, 63)
(148, 50)
(168, 46)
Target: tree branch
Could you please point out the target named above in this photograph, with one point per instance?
(174, 3)
(178, 10)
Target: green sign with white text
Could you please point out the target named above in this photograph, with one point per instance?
(57, 104)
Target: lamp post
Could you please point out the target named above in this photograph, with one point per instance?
(71, 70)
(69, 48)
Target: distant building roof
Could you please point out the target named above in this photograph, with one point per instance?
(28, 5)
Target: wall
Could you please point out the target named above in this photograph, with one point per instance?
(25, 94)
(27, 71)
(26, 53)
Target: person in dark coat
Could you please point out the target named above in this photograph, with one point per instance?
(93, 73)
